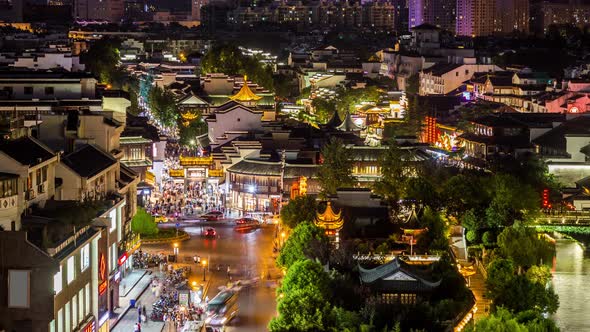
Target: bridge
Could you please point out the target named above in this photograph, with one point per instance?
(570, 218)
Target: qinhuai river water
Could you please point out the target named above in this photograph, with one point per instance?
(571, 279)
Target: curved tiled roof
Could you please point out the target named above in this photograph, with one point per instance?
(369, 276)
(270, 168)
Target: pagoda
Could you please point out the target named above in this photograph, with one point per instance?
(412, 230)
(331, 222)
(348, 124)
(245, 95)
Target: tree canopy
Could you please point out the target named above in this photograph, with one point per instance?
(335, 170)
(504, 321)
(305, 241)
(163, 106)
(103, 59)
(522, 245)
(229, 59)
(143, 223)
(298, 210)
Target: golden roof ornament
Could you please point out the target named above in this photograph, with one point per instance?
(245, 94)
(329, 220)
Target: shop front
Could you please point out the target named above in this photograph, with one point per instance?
(89, 326)
(103, 295)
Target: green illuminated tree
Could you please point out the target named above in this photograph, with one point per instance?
(163, 106)
(228, 59)
(524, 247)
(306, 274)
(143, 223)
(103, 60)
(306, 241)
(336, 168)
(298, 210)
(504, 321)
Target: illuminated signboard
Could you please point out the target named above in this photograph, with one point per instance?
(123, 258)
(102, 275)
(91, 327)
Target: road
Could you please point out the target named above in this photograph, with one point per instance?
(248, 255)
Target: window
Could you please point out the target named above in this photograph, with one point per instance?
(113, 216)
(28, 90)
(58, 281)
(81, 304)
(60, 321)
(68, 318)
(87, 299)
(75, 320)
(113, 257)
(71, 272)
(135, 154)
(52, 326)
(19, 288)
(85, 257)
(49, 90)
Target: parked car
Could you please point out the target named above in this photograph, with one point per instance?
(213, 216)
(210, 232)
(158, 218)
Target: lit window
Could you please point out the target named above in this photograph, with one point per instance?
(58, 281)
(113, 216)
(85, 257)
(71, 272)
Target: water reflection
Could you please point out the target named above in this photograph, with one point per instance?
(571, 279)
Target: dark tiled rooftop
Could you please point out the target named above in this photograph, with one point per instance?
(88, 161)
(27, 151)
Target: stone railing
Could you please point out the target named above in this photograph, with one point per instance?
(8, 202)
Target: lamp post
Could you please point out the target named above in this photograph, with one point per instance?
(283, 239)
(176, 250)
(204, 263)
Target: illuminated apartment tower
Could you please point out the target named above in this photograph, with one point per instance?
(104, 10)
(475, 18)
(196, 8)
(440, 13)
(512, 15)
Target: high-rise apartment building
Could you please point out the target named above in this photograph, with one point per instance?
(475, 17)
(511, 16)
(546, 13)
(196, 6)
(104, 10)
(440, 13)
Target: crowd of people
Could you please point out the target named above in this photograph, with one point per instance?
(176, 200)
(143, 260)
(168, 307)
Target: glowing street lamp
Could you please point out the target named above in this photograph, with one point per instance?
(204, 263)
(176, 250)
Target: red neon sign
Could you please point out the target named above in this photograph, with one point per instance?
(91, 327)
(102, 275)
(123, 258)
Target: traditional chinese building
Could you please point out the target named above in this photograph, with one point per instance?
(399, 282)
(332, 222)
(245, 95)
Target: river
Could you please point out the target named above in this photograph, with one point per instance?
(571, 279)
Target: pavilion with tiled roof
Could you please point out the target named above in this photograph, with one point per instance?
(398, 281)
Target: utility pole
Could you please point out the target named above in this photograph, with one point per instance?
(283, 163)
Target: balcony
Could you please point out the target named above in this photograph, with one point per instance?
(9, 202)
